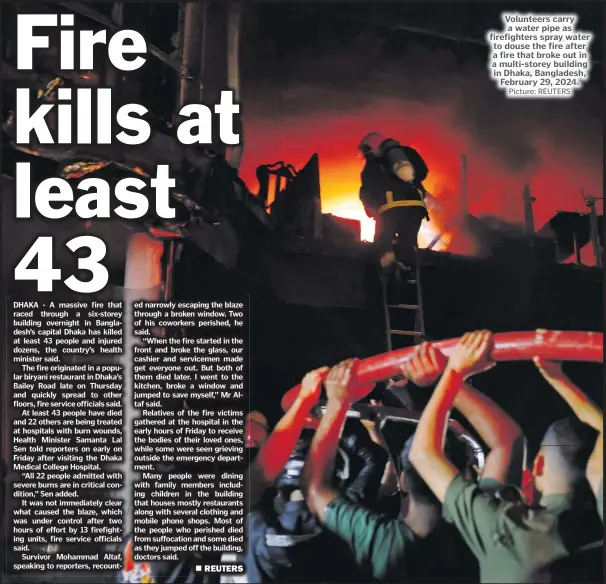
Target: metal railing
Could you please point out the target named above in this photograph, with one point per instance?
(383, 414)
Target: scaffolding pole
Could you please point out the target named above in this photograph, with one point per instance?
(234, 25)
(464, 197)
(528, 200)
(594, 231)
(191, 62)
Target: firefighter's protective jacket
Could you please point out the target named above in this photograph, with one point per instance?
(382, 189)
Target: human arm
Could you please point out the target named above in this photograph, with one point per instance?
(584, 409)
(276, 451)
(372, 187)
(476, 513)
(366, 198)
(501, 434)
(389, 481)
(364, 489)
(595, 472)
(470, 356)
(341, 391)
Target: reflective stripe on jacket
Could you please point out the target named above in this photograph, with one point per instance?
(391, 203)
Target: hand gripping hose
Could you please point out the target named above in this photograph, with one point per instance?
(514, 346)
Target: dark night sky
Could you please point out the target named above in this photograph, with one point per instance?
(288, 36)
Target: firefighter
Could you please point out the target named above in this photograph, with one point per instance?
(392, 193)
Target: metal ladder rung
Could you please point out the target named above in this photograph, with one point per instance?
(405, 306)
(406, 333)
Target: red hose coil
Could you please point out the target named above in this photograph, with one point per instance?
(516, 346)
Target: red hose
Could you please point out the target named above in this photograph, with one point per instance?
(553, 345)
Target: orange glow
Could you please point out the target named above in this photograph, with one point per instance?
(492, 188)
(349, 207)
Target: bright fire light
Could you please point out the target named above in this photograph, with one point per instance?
(350, 207)
(340, 184)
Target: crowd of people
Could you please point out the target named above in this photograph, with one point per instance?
(321, 508)
(328, 502)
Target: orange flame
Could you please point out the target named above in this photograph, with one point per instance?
(493, 189)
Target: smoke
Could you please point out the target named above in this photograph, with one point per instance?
(325, 98)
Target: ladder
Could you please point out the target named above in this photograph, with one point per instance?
(404, 320)
(403, 306)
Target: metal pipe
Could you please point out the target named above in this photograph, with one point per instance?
(528, 212)
(234, 24)
(464, 201)
(455, 428)
(179, 51)
(514, 346)
(594, 231)
(361, 411)
(169, 271)
(385, 414)
(191, 61)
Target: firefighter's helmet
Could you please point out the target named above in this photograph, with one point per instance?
(371, 143)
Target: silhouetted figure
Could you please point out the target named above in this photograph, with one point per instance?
(392, 193)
